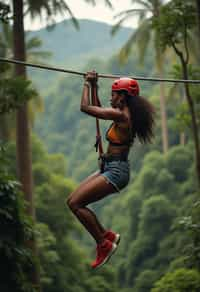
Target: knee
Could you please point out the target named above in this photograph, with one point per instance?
(68, 200)
(72, 204)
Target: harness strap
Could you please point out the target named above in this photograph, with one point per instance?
(98, 144)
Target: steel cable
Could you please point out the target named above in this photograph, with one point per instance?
(111, 76)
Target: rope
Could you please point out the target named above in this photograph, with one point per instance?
(100, 75)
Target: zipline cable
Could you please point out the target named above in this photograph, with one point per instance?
(100, 75)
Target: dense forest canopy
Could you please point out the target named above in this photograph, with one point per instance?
(158, 213)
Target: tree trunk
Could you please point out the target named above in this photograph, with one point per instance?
(182, 138)
(165, 139)
(23, 145)
(159, 64)
(182, 134)
(194, 120)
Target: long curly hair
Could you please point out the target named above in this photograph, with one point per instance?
(143, 118)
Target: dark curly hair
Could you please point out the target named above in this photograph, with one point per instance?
(142, 116)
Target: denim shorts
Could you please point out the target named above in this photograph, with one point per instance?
(117, 172)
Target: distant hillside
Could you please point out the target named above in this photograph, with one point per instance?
(70, 46)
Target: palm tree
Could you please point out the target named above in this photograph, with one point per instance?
(23, 144)
(142, 36)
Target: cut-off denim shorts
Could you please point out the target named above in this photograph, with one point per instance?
(117, 173)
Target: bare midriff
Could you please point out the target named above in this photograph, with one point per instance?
(117, 149)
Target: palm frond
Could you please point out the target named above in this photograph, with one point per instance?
(61, 7)
(51, 8)
(125, 16)
(142, 17)
(35, 8)
(109, 4)
(126, 49)
(141, 38)
(93, 2)
(117, 26)
(4, 12)
(147, 4)
(130, 12)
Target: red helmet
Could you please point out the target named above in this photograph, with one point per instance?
(128, 84)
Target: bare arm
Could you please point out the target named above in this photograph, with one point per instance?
(91, 86)
(96, 111)
(95, 90)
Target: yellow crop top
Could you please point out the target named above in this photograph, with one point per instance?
(119, 136)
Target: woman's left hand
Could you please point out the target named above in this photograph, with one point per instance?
(91, 76)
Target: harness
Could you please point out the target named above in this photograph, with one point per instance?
(98, 144)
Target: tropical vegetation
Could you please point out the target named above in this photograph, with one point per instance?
(43, 247)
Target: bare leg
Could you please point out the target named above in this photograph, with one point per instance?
(88, 211)
(92, 191)
(90, 222)
(98, 224)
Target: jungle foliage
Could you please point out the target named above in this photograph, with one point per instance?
(16, 258)
(157, 215)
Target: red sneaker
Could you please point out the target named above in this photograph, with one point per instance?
(114, 237)
(104, 251)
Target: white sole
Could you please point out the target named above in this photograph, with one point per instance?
(108, 256)
(117, 239)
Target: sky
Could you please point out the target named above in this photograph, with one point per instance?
(83, 10)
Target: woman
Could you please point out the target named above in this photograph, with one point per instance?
(132, 117)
